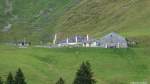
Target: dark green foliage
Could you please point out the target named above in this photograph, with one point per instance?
(60, 81)
(19, 78)
(84, 75)
(10, 79)
(1, 82)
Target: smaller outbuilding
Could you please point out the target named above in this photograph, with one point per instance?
(112, 40)
(23, 44)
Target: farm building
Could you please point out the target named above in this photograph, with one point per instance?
(77, 41)
(23, 43)
(112, 40)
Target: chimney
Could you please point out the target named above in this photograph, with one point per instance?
(118, 45)
(55, 38)
(87, 37)
(67, 40)
(106, 45)
(76, 39)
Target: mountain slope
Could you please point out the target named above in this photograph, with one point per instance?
(37, 20)
(30, 19)
(98, 17)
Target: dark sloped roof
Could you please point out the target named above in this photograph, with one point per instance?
(80, 39)
(113, 38)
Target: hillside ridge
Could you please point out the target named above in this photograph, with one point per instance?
(99, 17)
(67, 18)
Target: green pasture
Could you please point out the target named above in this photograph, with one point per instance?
(45, 66)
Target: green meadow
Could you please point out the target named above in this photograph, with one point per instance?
(45, 66)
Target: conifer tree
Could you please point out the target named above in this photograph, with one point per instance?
(19, 78)
(60, 81)
(10, 79)
(84, 75)
(1, 82)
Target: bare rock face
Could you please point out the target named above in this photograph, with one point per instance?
(8, 7)
(7, 27)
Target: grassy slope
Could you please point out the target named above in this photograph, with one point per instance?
(98, 17)
(33, 19)
(95, 17)
(45, 66)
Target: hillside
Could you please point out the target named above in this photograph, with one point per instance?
(30, 19)
(98, 17)
(45, 66)
(38, 20)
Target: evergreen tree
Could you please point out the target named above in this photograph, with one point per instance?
(60, 81)
(10, 79)
(19, 78)
(84, 75)
(1, 82)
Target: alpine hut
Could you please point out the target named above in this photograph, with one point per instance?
(112, 40)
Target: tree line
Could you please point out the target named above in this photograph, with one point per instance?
(84, 75)
(17, 79)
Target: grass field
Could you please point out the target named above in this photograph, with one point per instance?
(45, 66)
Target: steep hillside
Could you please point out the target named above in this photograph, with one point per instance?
(37, 20)
(30, 19)
(98, 17)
